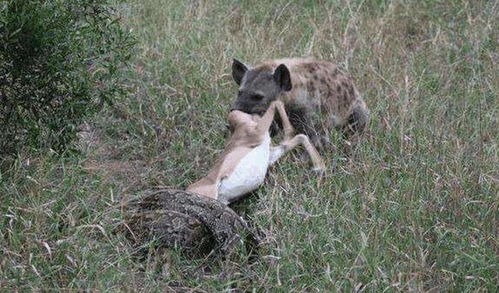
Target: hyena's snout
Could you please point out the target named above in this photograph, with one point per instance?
(237, 106)
(246, 107)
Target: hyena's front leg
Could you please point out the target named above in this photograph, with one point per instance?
(303, 123)
(289, 143)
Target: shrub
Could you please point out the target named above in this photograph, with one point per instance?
(59, 62)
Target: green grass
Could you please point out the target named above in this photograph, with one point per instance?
(415, 210)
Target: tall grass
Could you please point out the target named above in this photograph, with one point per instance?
(416, 209)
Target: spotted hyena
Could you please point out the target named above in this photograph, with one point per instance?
(318, 95)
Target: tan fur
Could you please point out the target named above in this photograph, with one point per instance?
(249, 132)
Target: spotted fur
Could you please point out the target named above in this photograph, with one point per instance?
(318, 95)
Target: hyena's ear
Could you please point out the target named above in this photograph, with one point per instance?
(283, 77)
(238, 71)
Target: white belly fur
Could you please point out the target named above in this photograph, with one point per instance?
(248, 175)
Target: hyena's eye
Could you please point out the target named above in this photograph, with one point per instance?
(257, 97)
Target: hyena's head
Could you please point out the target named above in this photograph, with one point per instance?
(259, 86)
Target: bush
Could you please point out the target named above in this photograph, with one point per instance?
(59, 61)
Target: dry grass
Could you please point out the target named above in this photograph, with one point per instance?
(416, 210)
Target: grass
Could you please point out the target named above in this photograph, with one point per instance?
(415, 210)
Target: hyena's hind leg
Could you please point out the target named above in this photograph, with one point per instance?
(356, 125)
